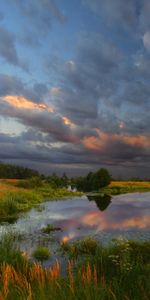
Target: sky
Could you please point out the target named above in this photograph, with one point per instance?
(75, 85)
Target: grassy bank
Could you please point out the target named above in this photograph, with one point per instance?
(15, 199)
(120, 271)
(123, 187)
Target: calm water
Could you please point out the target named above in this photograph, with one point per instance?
(126, 215)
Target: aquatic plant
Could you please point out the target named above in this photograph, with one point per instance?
(87, 246)
(41, 253)
(49, 228)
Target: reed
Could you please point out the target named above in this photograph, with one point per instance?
(120, 271)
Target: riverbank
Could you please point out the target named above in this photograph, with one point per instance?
(118, 271)
(14, 199)
(123, 187)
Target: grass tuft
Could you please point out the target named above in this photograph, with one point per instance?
(41, 253)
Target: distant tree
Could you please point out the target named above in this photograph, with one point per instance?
(31, 183)
(103, 178)
(12, 171)
(64, 179)
(93, 181)
(54, 181)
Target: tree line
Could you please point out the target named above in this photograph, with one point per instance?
(10, 171)
(93, 181)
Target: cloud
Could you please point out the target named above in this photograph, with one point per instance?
(1, 16)
(104, 88)
(7, 47)
(94, 107)
(10, 85)
(13, 86)
(116, 12)
(40, 148)
(8, 50)
(146, 40)
(42, 117)
(38, 17)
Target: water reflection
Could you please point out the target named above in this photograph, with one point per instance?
(128, 215)
(102, 200)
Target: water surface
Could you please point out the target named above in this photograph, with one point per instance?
(126, 215)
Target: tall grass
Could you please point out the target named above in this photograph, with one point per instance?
(10, 253)
(120, 271)
(14, 199)
(14, 202)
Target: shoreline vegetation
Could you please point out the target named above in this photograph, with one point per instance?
(124, 187)
(18, 195)
(118, 271)
(15, 198)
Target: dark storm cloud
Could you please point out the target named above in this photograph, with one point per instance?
(85, 79)
(99, 95)
(33, 146)
(104, 87)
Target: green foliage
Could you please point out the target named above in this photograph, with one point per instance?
(46, 191)
(87, 246)
(15, 202)
(116, 272)
(57, 182)
(93, 181)
(31, 183)
(9, 253)
(117, 190)
(8, 207)
(101, 179)
(49, 228)
(41, 253)
(17, 172)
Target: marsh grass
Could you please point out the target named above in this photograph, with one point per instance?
(41, 253)
(102, 275)
(87, 246)
(15, 199)
(50, 228)
(13, 203)
(10, 253)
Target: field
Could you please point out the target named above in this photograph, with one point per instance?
(122, 187)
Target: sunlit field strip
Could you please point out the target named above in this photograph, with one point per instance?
(130, 184)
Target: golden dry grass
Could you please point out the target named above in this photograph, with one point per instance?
(7, 186)
(13, 182)
(130, 184)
